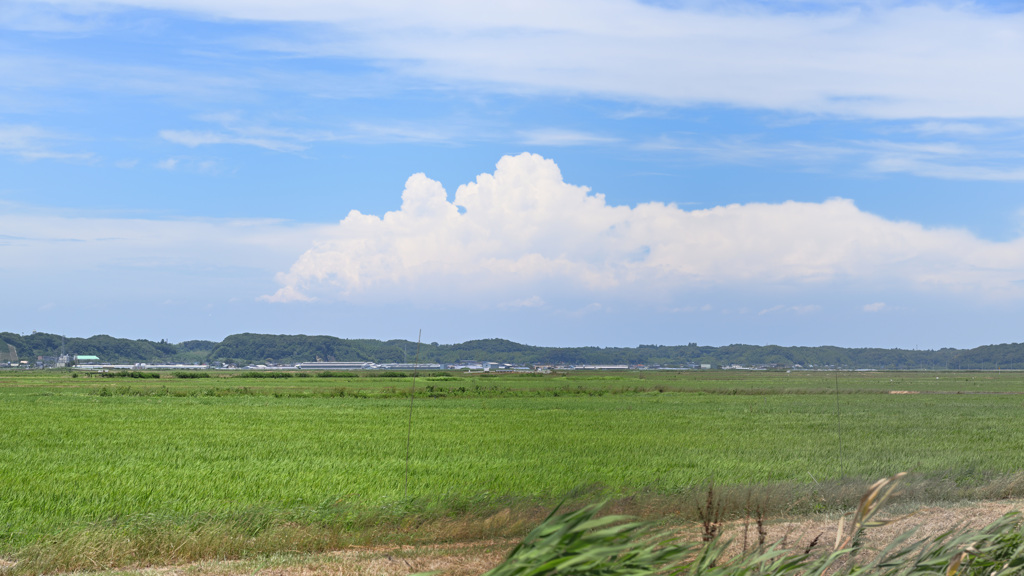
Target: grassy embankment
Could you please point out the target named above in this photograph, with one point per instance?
(103, 471)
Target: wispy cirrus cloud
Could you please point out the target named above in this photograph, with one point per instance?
(168, 163)
(875, 60)
(234, 130)
(753, 150)
(43, 243)
(934, 127)
(100, 274)
(34, 143)
(45, 74)
(933, 169)
(562, 137)
(999, 162)
(970, 159)
(394, 132)
(793, 309)
(193, 138)
(848, 61)
(68, 19)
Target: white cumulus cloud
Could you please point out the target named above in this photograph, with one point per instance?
(522, 233)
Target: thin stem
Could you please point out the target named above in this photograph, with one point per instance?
(839, 429)
(412, 396)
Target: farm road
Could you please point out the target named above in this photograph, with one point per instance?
(472, 558)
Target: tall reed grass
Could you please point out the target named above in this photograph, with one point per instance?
(582, 543)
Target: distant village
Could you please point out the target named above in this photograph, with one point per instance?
(81, 362)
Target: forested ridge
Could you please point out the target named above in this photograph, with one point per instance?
(286, 349)
(107, 348)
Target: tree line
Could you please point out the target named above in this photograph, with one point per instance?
(288, 349)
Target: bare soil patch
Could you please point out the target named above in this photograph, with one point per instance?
(475, 557)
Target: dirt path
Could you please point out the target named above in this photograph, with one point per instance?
(472, 558)
(928, 520)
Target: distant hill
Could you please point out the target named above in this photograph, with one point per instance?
(108, 348)
(287, 349)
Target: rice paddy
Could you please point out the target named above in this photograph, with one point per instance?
(83, 451)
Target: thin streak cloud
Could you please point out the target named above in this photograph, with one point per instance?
(562, 137)
(864, 60)
(33, 143)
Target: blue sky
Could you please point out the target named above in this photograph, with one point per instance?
(606, 173)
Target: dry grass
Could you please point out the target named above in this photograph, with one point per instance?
(105, 548)
(460, 559)
(793, 514)
(476, 556)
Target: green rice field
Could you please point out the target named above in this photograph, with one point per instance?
(83, 450)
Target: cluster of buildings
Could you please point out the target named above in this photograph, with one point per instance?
(90, 362)
(467, 366)
(94, 363)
